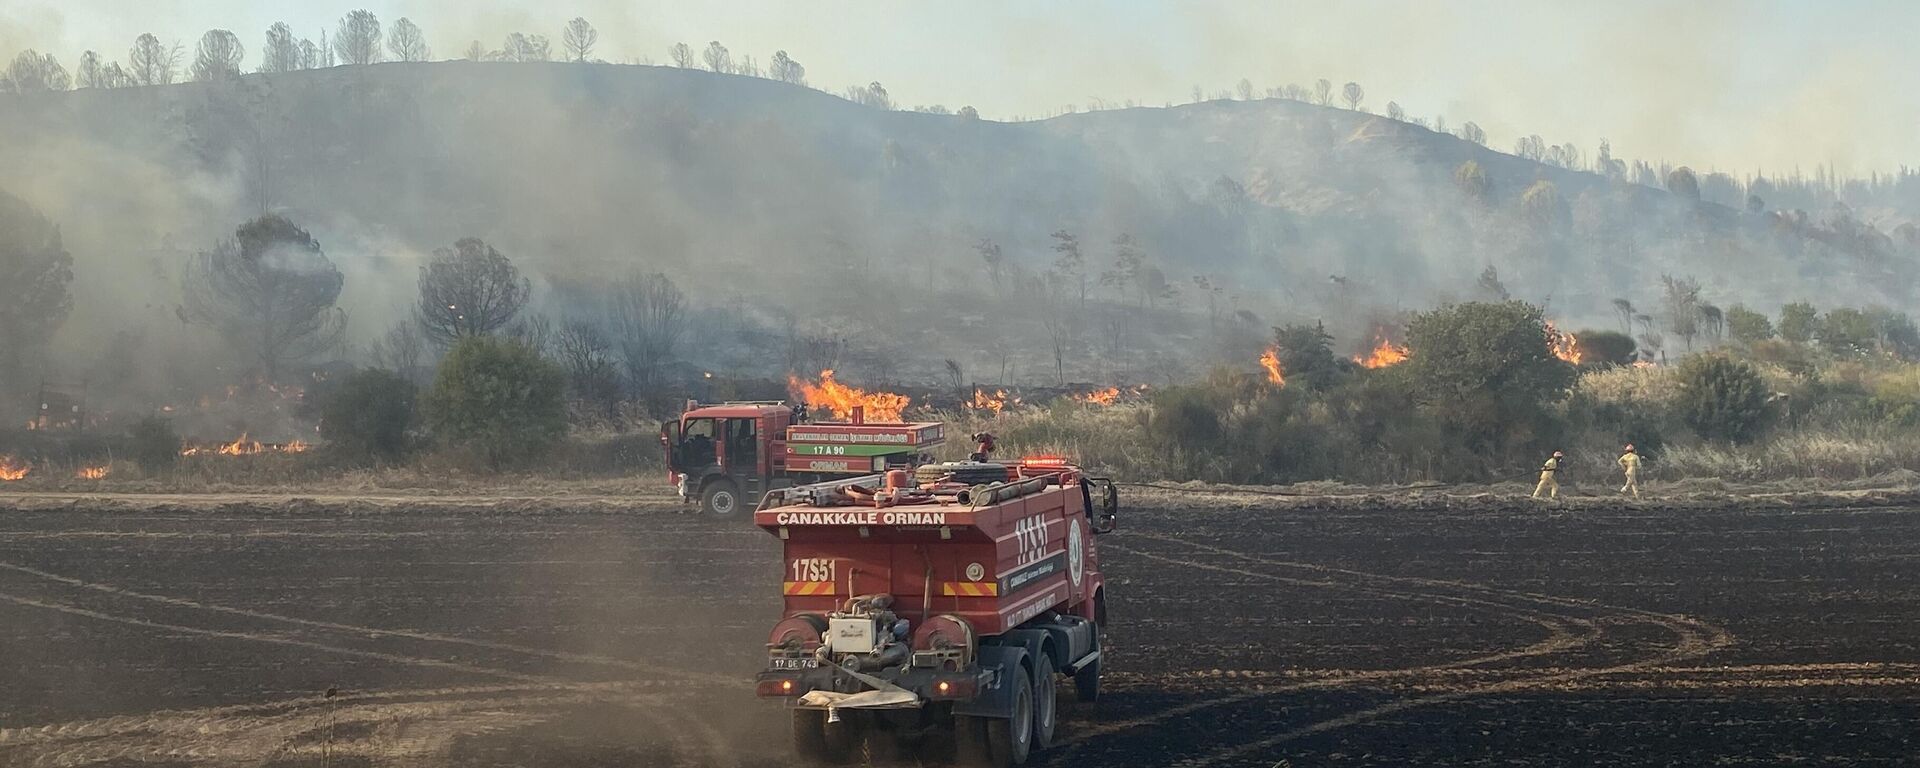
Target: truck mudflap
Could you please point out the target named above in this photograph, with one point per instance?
(996, 698)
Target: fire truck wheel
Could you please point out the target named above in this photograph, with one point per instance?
(1044, 702)
(1010, 739)
(721, 499)
(819, 742)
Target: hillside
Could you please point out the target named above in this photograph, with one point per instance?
(784, 211)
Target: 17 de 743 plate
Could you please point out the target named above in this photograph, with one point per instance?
(795, 663)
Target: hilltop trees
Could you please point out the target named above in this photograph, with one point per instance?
(218, 57)
(357, 38)
(406, 42)
(717, 57)
(1352, 93)
(269, 292)
(784, 69)
(150, 62)
(281, 53)
(470, 289)
(31, 72)
(579, 39)
(1682, 182)
(681, 55)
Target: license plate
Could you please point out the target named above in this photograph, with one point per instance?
(795, 663)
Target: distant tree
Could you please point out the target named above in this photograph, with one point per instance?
(682, 55)
(281, 53)
(476, 51)
(717, 57)
(1489, 285)
(1472, 181)
(968, 113)
(34, 297)
(406, 42)
(1682, 297)
(784, 69)
(269, 292)
(1071, 264)
(583, 349)
(996, 263)
(1323, 92)
(1722, 399)
(1471, 132)
(357, 38)
(1395, 111)
(1545, 209)
(521, 47)
(1306, 356)
(114, 77)
(218, 57)
(746, 66)
(1755, 205)
(402, 350)
(91, 73)
(1439, 123)
(498, 399)
(1245, 89)
(470, 289)
(873, 95)
(150, 62)
(1713, 322)
(579, 39)
(1798, 322)
(647, 314)
(1607, 347)
(1846, 331)
(314, 56)
(31, 72)
(1747, 326)
(1899, 336)
(1352, 93)
(1681, 182)
(367, 416)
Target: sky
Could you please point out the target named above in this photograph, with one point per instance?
(1738, 86)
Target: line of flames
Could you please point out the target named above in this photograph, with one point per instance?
(1270, 360)
(92, 473)
(997, 402)
(244, 447)
(840, 399)
(1564, 344)
(12, 469)
(1106, 396)
(1384, 354)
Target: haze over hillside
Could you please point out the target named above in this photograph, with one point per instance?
(776, 206)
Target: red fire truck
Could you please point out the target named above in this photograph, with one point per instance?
(721, 454)
(917, 606)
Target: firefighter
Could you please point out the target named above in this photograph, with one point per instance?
(983, 448)
(1630, 462)
(1548, 484)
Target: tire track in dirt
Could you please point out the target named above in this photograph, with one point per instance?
(1692, 638)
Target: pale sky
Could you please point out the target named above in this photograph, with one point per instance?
(1716, 84)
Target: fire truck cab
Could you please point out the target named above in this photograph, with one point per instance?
(726, 456)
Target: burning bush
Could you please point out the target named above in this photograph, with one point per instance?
(499, 399)
(368, 415)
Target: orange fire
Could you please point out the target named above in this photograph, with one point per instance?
(996, 402)
(245, 446)
(92, 473)
(1565, 345)
(1100, 396)
(1645, 364)
(841, 399)
(1270, 360)
(12, 469)
(1384, 354)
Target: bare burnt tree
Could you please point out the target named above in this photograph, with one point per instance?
(403, 350)
(579, 39)
(647, 315)
(583, 349)
(357, 38)
(31, 72)
(682, 55)
(717, 57)
(34, 273)
(469, 290)
(1353, 94)
(269, 292)
(282, 50)
(218, 57)
(91, 73)
(784, 69)
(152, 63)
(406, 43)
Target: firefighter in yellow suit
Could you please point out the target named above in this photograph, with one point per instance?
(1630, 462)
(1548, 485)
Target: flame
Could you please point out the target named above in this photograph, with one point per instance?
(297, 446)
(246, 446)
(1565, 345)
(1384, 354)
(841, 399)
(1270, 360)
(1100, 396)
(1645, 364)
(92, 473)
(996, 402)
(12, 469)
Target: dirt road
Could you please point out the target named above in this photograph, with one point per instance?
(471, 634)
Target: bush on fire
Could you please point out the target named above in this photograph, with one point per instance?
(499, 399)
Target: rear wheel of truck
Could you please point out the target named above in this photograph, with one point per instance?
(1045, 704)
(819, 742)
(1010, 739)
(721, 499)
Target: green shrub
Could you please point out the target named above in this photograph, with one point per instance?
(1486, 373)
(366, 417)
(499, 399)
(1747, 326)
(1607, 348)
(153, 445)
(1722, 399)
(1798, 322)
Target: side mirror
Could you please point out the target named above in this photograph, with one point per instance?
(1109, 519)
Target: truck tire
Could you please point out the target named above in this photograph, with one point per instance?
(1046, 715)
(965, 472)
(721, 499)
(818, 742)
(1010, 739)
